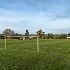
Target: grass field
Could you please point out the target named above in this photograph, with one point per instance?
(54, 54)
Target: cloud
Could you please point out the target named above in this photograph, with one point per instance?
(66, 30)
(49, 15)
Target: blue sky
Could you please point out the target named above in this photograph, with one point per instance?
(52, 16)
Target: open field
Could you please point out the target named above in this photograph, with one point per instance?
(54, 54)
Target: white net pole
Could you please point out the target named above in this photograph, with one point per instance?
(37, 44)
(5, 42)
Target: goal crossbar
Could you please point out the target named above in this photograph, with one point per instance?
(23, 37)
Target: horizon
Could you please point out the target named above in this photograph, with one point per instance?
(52, 16)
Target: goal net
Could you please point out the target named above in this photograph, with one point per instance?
(22, 43)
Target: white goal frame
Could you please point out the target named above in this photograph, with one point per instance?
(22, 37)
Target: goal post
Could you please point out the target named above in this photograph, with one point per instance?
(5, 42)
(23, 39)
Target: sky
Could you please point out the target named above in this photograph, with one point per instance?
(52, 16)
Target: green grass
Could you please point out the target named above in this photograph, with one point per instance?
(54, 54)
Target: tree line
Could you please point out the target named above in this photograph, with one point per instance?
(41, 34)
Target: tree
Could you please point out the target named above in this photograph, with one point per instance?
(51, 35)
(1, 36)
(8, 32)
(41, 34)
(27, 34)
(48, 36)
(68, 34)
(62, 36)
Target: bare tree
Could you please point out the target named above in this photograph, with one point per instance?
(8, 32)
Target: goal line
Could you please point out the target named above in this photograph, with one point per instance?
(22, 37)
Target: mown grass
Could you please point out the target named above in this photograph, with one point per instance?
(54, 54)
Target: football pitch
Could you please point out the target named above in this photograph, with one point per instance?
(54, 54)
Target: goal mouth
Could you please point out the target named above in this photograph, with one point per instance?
(23, 38)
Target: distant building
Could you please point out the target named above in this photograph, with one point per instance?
(68, 35)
